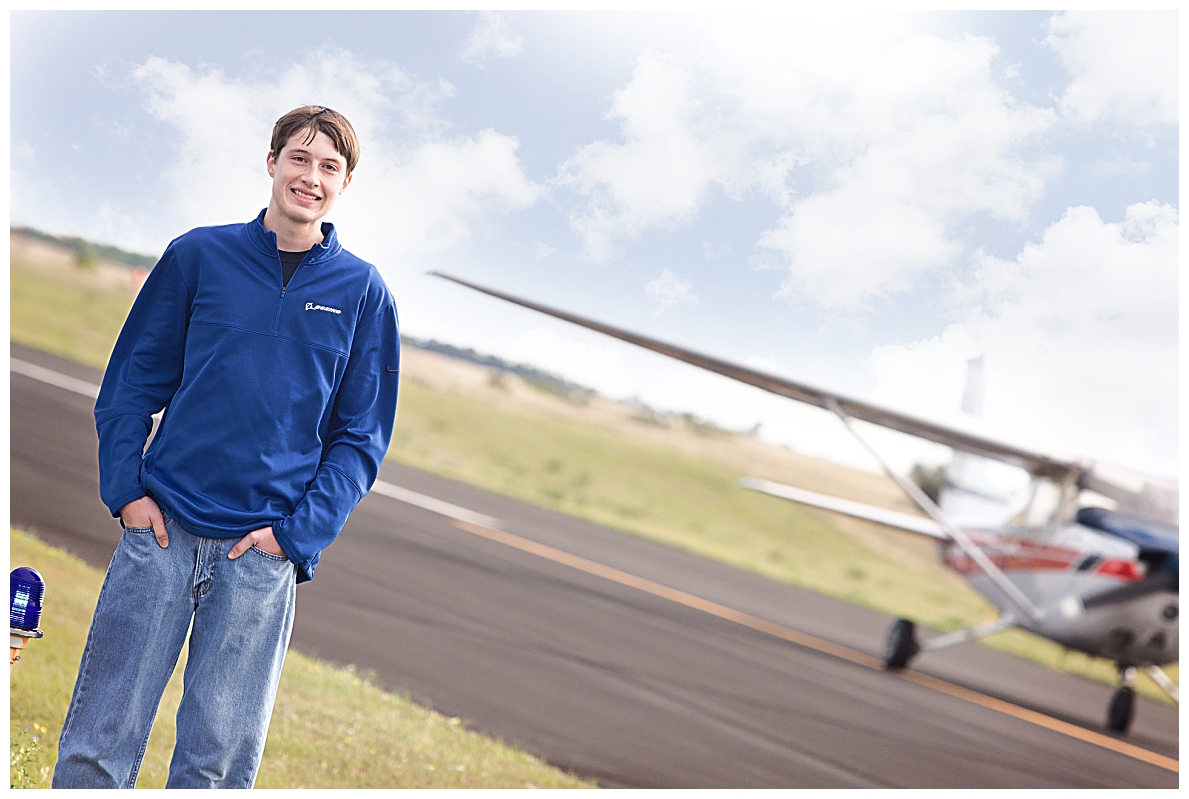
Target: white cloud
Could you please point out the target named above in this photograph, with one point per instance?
(1124, 66)
(543, 250)
(492, 37)
(662, 172)
(877, 145)
(1082, 324)
(434, 197)
(417, 191)
(892, 213)
(667, 290)
(223, 139)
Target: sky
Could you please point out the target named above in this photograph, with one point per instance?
(861, 201)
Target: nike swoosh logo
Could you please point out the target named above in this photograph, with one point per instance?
(391, 371)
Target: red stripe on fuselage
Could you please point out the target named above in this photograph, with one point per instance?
(1015, 554)
(1126, 570)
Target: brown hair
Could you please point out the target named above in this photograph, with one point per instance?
(315, 119)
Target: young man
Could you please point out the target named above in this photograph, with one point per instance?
(275, 355)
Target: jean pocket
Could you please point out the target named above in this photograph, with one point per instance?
(138, 530)
(269, 555)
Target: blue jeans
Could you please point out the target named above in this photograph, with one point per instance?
(242, 613)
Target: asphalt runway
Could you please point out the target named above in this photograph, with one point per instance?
(625, 661)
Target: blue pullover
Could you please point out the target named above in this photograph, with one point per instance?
(279, 402)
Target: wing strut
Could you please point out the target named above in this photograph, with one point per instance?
(930, 507)
(1162, 679)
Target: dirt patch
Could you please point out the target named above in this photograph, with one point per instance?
(54, 260)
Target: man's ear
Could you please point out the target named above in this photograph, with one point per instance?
(346, 183)
(270, 163)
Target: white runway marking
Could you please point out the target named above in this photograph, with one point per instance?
(435, 505)
(53, 378)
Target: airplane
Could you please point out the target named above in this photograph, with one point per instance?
(1089, 559)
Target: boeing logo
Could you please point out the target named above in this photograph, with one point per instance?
(311, 307)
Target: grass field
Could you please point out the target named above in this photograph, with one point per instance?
(331, 728)
(678, 486)
(75, 321)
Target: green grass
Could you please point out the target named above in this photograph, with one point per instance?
(652, 491)
(331, 728)
(76, 322)
(649, 490)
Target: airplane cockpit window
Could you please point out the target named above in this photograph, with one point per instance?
(1041, 506)
(1092, 499)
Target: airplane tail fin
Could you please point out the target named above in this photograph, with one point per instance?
(964, 493)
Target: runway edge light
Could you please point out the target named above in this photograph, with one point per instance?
(26, 592)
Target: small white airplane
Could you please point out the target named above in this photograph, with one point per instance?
(1099, 580)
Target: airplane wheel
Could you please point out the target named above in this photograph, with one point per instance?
(1121, 710)
(901, 644)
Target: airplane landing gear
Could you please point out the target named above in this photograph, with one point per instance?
(1122, 707)
(901, 645)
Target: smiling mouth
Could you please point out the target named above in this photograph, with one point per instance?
(305, 195)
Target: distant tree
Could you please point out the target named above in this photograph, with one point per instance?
(98, 251)
(930, 479)
(541, 380)
(699, 425)
(86, 257)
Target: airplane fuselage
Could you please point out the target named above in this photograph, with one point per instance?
(1056, 569)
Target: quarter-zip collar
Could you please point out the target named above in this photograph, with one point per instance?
(265, 240)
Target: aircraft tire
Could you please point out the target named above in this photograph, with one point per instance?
(1121, 710)
(901, 645)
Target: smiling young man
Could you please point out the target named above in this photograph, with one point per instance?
(274, 354)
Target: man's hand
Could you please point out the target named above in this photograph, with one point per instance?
(261, 539)
(144, 512)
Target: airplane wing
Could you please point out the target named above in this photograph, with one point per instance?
(1151, 496)
(1035, 463)
(891, 518)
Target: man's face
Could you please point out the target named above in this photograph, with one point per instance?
(307, 177)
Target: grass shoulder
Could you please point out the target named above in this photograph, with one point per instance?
(332, 727)
(75, 321)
